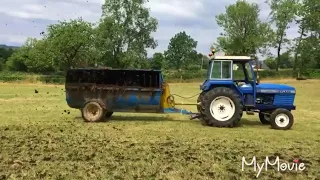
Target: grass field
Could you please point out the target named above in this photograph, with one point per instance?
(42, 138)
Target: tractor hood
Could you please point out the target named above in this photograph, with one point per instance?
(275, 88)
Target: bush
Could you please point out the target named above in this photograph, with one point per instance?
(52, 79)
(8, 76)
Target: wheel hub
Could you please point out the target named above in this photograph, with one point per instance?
(222, 108)
(282, 120)
(92, 111)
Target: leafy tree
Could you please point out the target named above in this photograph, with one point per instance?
(5, 53)
(180, 51)
(271, 62)
(283, 13)
(244, 33)
(312, 26)
(286, 60)
(157, 61)
(124, 33)
(307, 49)
(17, 61)
(40, 59)
(70, 42)
(2, 64)
(301, 31)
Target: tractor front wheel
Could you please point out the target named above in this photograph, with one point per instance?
(264, 118)
(222, 107)
(281, 119)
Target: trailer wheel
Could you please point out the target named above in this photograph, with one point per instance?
(264, 118)
(223, 107)
(93, 111)
(281, 119)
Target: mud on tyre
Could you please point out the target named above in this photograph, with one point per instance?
(222, 107)
(93, 111)
(200, 108)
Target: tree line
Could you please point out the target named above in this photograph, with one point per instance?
(124, 34)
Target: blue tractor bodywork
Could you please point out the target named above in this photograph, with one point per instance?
(252, 93)
(231, 88)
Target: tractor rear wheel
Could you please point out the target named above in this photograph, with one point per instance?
(201, 110)
(200, 107)
(264, 118)
(222, 107)
(281, 119)
(93, 111)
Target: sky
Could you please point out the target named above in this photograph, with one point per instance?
(20, 19)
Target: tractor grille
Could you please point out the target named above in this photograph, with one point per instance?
(284, 99)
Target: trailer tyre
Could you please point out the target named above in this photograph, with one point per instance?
(93, 111)
(223, 107)
(281, 119)
(264, 118)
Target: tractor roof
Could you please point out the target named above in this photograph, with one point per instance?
(236, 58)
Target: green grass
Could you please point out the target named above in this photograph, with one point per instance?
(40, 140)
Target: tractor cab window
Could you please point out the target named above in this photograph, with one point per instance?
(221, 70)
(216, 70)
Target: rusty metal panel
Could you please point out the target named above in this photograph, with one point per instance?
(122, 93)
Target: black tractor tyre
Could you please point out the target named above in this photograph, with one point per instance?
(93, 111)
(281, 119)
(200, 107)
(264, 119)
(205, 121)
(222, 92)
(108, 115)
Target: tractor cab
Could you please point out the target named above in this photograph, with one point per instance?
(236, 70)
(231, 88)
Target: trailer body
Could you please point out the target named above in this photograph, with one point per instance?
(119, 90)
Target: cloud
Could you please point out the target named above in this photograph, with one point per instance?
(20, 19)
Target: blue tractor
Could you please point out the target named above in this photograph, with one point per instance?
(231, 88)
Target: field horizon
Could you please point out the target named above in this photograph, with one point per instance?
(42, 138)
